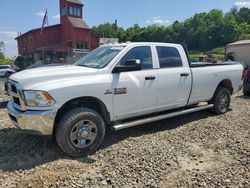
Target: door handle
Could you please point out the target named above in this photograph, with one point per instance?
(150, 78)
(184, 74)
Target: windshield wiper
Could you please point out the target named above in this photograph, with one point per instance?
(87, 66)
(83, 65)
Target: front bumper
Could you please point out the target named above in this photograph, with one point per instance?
(34, 122)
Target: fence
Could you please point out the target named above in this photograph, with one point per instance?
(22, 65)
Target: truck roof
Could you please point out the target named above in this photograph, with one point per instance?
(141, 43)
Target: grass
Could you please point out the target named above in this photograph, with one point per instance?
(5, 62)
(194, 57)
(217, 52)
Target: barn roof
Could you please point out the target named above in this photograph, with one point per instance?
(75, 1)
(240, 42)
(38, 29)
(78, 23)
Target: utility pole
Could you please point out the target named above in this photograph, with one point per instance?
(115, 28)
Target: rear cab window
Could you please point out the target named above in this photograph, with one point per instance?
(169, 57)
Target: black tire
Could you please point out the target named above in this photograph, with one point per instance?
(8, 74)
(72, 130)
(246, 93)
(221, 101)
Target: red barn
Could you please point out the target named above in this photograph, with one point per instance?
(62, 42)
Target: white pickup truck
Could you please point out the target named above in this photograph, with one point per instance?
(117, 86)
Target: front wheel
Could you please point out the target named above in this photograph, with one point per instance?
(221, 101)
(80, 132)
(8, 74)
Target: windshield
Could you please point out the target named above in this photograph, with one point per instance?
(100, 57)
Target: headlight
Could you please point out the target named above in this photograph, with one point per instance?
(38, 98)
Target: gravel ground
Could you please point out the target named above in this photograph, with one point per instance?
(2, 80)
(196, 150)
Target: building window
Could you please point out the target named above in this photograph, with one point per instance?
(82, 45)
(75, 11)
(30, 40)
(64, 11)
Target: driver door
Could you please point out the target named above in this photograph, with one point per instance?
(135, 92)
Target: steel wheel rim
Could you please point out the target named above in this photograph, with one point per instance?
(83, 134)
(223, 103)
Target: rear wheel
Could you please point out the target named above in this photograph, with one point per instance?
(221, 101)
(246, 93)
(80, 132)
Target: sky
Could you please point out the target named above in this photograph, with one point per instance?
(21, 16)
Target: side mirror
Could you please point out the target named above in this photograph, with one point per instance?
(129, 65)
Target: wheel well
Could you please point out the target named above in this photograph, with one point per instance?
(226, 84)
(89, 102)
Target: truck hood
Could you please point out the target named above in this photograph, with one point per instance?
(33, 78)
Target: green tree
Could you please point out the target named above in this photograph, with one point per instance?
(1, 55)
(244, 30)
(203, 31)
(244, 15)
(106, 30)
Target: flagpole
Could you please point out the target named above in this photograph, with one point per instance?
(45, 21)
(47, 18)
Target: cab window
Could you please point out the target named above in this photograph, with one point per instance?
(169, 57)
(143, 53)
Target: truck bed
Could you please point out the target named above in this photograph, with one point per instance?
(207, 76)
(205, 64)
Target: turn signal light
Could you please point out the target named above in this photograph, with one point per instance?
(245, 75)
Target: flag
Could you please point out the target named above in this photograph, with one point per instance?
(45, 21)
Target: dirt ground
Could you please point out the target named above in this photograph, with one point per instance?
(195, 150)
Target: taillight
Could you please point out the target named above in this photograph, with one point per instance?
(245, 74)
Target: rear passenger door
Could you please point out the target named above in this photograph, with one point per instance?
(175, 77)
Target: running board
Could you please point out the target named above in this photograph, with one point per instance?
(160, 117)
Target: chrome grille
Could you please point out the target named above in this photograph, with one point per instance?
(13, 88)
(16, 101)
(16, 95)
